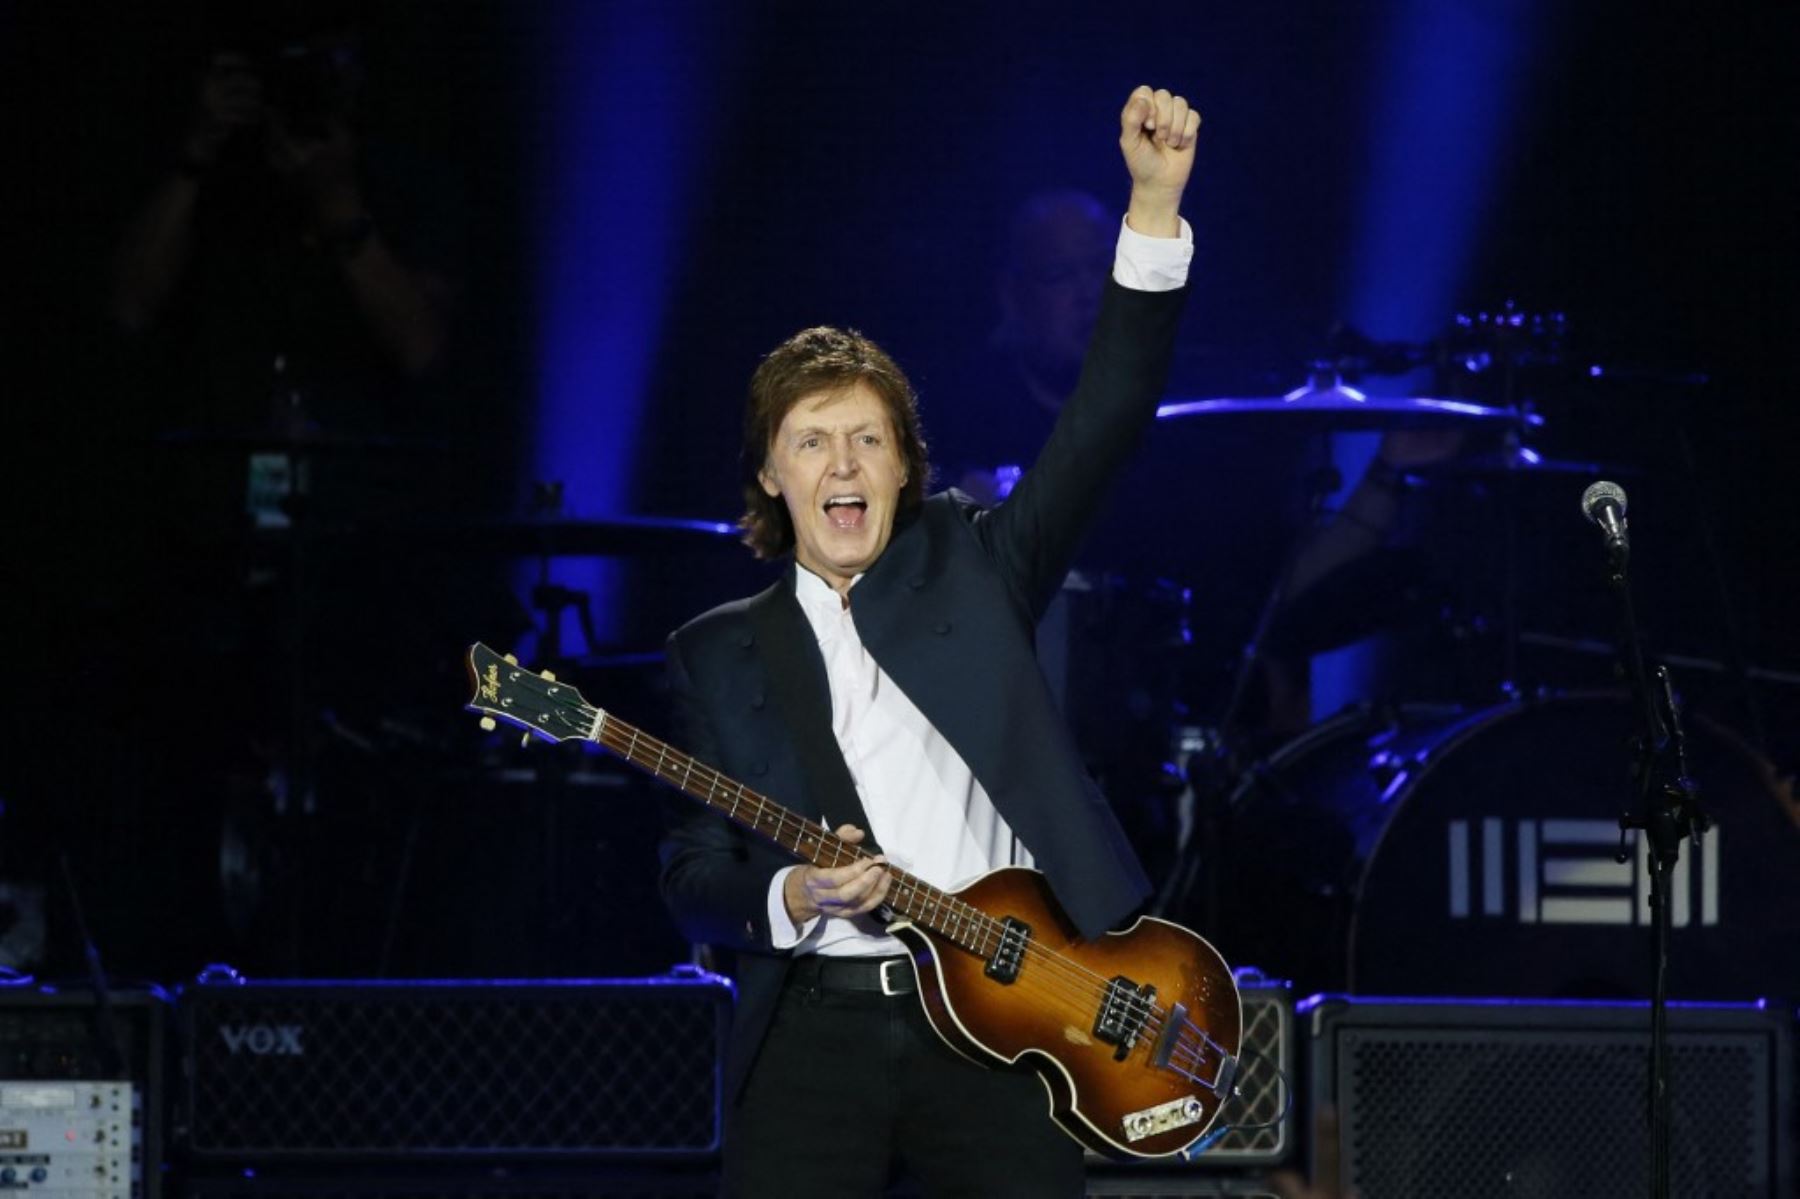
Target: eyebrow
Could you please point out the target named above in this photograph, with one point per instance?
(808, 430)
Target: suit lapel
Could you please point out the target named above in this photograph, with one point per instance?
(802, 694)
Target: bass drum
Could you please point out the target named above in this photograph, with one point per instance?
(1424, 852)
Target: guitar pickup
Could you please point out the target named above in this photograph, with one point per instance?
(1004, 965)
(1122, 1014)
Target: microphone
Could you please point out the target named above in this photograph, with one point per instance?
(1603, 503)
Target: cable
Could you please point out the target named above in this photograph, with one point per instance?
(1214, 1136)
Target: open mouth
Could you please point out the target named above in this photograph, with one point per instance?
(846, 511)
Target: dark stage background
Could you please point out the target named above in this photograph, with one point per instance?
(635, 201)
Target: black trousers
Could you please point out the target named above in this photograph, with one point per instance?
(851, 1090)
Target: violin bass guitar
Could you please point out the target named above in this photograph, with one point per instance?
(1135, 1034)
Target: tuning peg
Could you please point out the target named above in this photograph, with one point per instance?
(488, 725)
(525, 741)
(547, 676)
(509, 659)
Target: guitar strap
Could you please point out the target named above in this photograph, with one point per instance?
(802, 695)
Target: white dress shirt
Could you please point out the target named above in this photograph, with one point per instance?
(926, 809)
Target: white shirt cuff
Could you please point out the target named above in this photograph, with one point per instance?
(782, 932)
(1153, 263)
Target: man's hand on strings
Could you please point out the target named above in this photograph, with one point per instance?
(851, 890)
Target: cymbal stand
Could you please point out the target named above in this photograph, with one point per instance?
(552, 599)
(1212, 769)
(1511, 507)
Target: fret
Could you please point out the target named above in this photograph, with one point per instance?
(687, 774)
(661, 751)
(631, 750)
(735, 800)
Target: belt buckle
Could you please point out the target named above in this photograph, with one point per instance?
(886, 962)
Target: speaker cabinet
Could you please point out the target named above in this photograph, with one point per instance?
(1538, 1100)
(506, 1071)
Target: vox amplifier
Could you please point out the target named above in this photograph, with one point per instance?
(507, 1071)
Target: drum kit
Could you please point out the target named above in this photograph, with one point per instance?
(1465, 838)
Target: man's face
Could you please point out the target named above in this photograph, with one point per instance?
(836, 463)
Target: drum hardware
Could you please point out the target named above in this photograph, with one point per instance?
(1593, 646)
(1439, 849)
(1211, 763)
(1513, 460)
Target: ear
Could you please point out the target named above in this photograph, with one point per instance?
(770, 485)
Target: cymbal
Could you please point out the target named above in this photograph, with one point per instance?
(1334, 408)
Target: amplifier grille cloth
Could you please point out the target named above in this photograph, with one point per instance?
(623, 1068)
(1547, 1113)
(1268, 1018)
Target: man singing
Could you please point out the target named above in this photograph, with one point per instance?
(888, 682)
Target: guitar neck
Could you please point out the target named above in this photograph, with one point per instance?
(908, 895)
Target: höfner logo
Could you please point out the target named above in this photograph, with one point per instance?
(1565, 872)
(264, 1040)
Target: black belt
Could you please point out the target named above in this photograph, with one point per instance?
(862, 976)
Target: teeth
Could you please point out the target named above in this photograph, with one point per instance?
(835, 500)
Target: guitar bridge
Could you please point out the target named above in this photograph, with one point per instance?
(1122, 1014)
(1004, 965)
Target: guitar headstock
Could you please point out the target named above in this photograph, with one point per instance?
(537, 703)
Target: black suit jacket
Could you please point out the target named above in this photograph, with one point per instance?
(949, 612)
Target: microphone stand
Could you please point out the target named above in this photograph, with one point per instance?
(1666, 812)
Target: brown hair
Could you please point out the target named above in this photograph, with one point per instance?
(809, 362)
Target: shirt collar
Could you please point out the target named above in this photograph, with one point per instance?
(823, 606)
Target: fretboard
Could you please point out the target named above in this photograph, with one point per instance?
(908, 895)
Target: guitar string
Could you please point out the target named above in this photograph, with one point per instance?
(1092, 989)
(1187, 1050)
